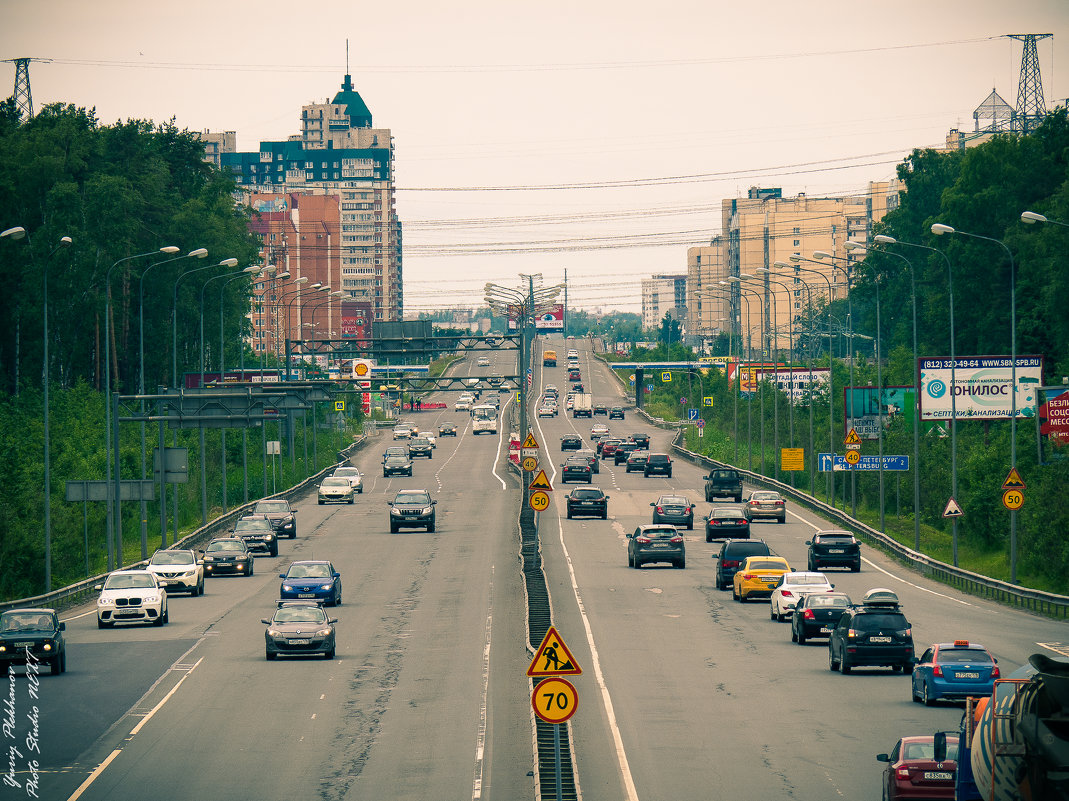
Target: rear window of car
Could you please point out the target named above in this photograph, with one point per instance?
(963, 655)
(835, 539)
(726, 514)
(725, 475)
(826, 602)
(741, 550)
(587, 494)
(808, 580)
(673, 500)
(659, 533)
(765, 564)
(659, 458)
(872, 621)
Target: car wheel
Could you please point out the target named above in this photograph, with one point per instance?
(735, 594)
(569, 514)
(926, 699)
(56, 663)
(913, 693)
(738, 499)
(844, 665)
(102, 625)
(393, 528)
(159, 621)
(252, 568)
(669, 473)
(384, 474)
(322, 502)
(709, 538)
(638, 564)
(772, 613)
(351, 499)
(856, 567)
(690, 525)
(783, 520)
(361, 490)
(270, 655)
(681, 563)
(274, 550)
(832, 664)
(328, 654)
(812, 566)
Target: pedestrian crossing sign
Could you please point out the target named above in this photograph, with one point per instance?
(553, 658)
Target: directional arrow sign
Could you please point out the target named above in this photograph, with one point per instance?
(692, 414)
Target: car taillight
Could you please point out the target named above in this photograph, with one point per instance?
(786, 593)
(937, 671)
(901, 773)
(995, 672)
(755, 503)
(808, 614)
(748, 576)
(742, 521)
(779, 503)
(642, 540)
(714, 522)
(660, 510)
(732, 563)
(676, 540)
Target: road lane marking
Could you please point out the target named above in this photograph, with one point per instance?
(480, 738)
(500, 438)
(93, 776)
(163, 701)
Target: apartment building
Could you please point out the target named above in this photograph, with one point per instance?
(661, 295)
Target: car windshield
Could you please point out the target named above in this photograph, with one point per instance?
(226, 545)
(128, 581)
(765, 564)
(926, 751)
(879, 621)
(27, 621)
(171, 558)
(272, 507)
(958, 655)
(586, 494)
(725, 474)
(396, 457)
(413, 497)
(309, 571)
(339, 481)
(827, 601)
(252, 524)
(300, 614)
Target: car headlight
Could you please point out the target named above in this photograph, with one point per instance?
(209, 558)
(327, 586)
(105, 601)
(323, 633)
(287, 588)
(428, 510)
(274, 633)
(395, 511)
(48, 646)
(270, 537)
(150, 599)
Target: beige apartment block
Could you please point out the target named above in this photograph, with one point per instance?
(708, 309)
(661, 295)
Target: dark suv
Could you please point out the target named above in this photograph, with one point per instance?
(724, 481)
(658, 463)
(732, 554)
(872, 633)
(420, 446)
(281, 514)
(834, 549)
(588, 501)
(412, 509)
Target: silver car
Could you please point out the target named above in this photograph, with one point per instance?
(336, 489)
(352, 475)
(766, 503)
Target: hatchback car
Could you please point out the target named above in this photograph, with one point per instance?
(641, 440)
(352, 475)
(816, 615)
(601, 408)
(420, 446)
(834, 549)
(914, 772)
(757, 577)
(282, 516)
(178, 569)
(656, 543)
(792, 587)
(131, 596)
(412, 509)
(636, 462)
(300, 628)
(227, 555)
(731, 556)
(674, 509)
(766, 504)
(591, 457)
(873, 633)
(335, 489)
(571, 442)
(624, 450)
(607, 447)
(35, 635)
(726, 522)
(447, 429)
(577, 468)
(616, 413)
(397, 465)
(257, 534)
(658, 464)
(587, 501)
(311, 580)
(953, 671)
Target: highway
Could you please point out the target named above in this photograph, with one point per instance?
(685, 693)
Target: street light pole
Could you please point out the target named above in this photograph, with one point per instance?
(790, 320)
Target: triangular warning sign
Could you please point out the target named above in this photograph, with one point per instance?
(1013, 480)
(530, 442)
(541, 482)
(553, 658)
(852, 438)
(952, 510)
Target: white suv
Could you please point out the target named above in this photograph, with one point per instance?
(131, 595)
(178, 570)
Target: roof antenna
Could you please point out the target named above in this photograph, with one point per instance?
(347, 85)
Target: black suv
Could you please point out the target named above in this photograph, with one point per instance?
(588, 501)
(658, 463)
(834, 549)
(281, 514)
(257, 533)
(641, 441)
(724, 481)
(732, 554)
(872, 633)
(616, 413)
(571, 442)
(412, 508)
(623, 450)
(32, 631)
(420, 446)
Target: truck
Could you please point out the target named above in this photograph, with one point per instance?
(549, 358)
(583, 406)
(484, 419)
(723, 481)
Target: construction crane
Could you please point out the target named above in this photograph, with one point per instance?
(22, 95)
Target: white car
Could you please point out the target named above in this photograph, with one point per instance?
(402, 432)
(463, 403)
(131, 596)
(599, 431)
(336, 489)
(483, 362)
(353, 475)
(547, 411)
(791, 587)
(178, 570)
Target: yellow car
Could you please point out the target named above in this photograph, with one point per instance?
(758, 576)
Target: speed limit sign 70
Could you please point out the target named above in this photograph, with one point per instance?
(555, 700)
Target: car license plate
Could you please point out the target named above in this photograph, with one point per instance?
(879, 639)
(306, 595)
(127, 614)
(938, 775)
(21, 644)
(300, 642)
(825, 630)
(660, 545)
(836, 550)
(968, 675)
(586, 503)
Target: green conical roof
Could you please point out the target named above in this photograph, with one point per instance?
(359, 114)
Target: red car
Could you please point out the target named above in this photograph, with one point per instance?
(913, 772)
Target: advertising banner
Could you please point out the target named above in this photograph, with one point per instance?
(863, 408)
(982, 386)
(355, 319)
(1054, 415)
(551, 320)
(792, 381)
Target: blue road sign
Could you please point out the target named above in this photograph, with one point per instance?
(828, 462)
(692, 414)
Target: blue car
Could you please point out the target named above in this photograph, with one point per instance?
(953, 671)
(311, 581)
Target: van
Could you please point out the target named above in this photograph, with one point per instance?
(484, 419)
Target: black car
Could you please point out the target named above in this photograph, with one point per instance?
(816, 614)
(623, 450)
(412, 509)
(577, 468)
(601, 408)
(641, 441)
(834, 549)
(420, 446)
(257, 533)
(394, 450)
(874, 632)
(300, 628)
(658, 463)
(727, 522)
(674, 509)
(447, 429)
(397, 465)
(721, 482)
(636, 461)
(616, 413)
(281, 514)
(587, 501)
(656, 543)
(577, 388)
(227, 555)
(732, 554)
(571, 442)
(32, 634)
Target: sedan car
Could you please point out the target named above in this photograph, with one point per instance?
(587, 501)
(623, 451)
(726, 522)
(299, 627)
(656, 543)
(402, 432)
(607, 447)
(336, 489)
(791, 587)
(758, 576)
(420, 446)
(816, 615)
(227, 555)
(412, 509)
(674, 509)
(283, 517)
(352, 475)
(834, 549)
(571, 442)
(592, 457)
(179, 570)
(447, 429)
(601, 408)
(397, 465)
(636, 461)
(577, 468)
(482, 361)
(131, 596)
(766, 504)
(32, 634)
(641, 441)
(616, 413)
(257, 534)
(954, 670)
(547, 411)
(914, 772)
(312, 580)
(658, 464)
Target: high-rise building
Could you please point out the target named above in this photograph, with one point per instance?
(323, 201)
(661, 295)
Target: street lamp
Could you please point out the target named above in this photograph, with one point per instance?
(771, 341)
(1032, 217)
(231, 262)
(790, 320)
(745, 293)
(809, 387)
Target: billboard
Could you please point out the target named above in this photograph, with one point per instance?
(864, 406)
(1054, 415)
(355, 319)
(792, 381)
(551, 319)
(982, 386)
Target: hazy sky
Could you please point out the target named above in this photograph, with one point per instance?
(656, 111)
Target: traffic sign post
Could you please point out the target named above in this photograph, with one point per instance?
(555, 700)
(539, 501)
(530, 464)
(853, 457)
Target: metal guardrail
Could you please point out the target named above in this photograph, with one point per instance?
(73, 594)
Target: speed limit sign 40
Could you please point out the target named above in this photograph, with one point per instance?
(555, 700)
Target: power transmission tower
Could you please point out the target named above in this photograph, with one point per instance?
(23, 98)
(1030, 106)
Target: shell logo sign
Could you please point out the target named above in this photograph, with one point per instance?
(362, 368)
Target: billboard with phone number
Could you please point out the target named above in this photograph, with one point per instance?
(981, 387)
